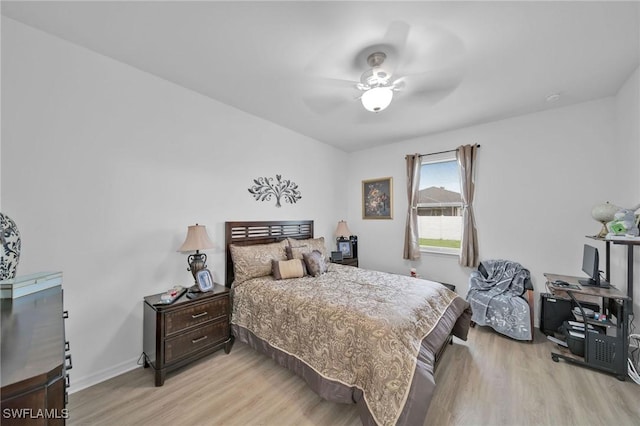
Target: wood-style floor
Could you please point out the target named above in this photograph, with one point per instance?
(488, 380)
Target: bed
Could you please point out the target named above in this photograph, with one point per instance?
(354, 335)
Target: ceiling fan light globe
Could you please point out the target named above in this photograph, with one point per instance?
(377, 99)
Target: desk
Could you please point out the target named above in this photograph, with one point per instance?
(602, 352)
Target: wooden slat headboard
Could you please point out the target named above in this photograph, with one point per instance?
(250, 233)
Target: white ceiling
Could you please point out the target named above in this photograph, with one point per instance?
(285, 61)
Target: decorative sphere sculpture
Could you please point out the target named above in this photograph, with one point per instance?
(604, 213)
(10, 246)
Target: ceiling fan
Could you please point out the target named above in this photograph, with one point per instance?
(376, 84)
(422, 68)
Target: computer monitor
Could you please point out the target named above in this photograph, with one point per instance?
(591, 267)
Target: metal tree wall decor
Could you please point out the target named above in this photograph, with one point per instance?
(265, 187)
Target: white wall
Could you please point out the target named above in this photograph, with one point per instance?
(627, 190)
(537, 179)
(103, 169)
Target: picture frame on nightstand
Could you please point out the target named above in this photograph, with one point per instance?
(205, 280)
(336, 256)
(346, 248)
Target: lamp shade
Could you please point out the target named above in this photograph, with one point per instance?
(377, 98)
(342, 231)
(197, 239)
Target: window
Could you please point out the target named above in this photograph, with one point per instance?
(440, 204)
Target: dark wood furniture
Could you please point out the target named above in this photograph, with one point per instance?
(188, 329)
(250, 233)
(34, 361)
(352, 261)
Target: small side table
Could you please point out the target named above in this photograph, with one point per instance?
(353, 261)
(186, 330)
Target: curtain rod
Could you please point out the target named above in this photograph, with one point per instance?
(440, 152)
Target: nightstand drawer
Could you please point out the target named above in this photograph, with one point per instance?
(197, 314)
(193, 341)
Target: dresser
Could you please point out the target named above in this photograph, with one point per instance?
(186, 330)
(34, 359)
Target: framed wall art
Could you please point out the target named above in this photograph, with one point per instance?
(377, 198)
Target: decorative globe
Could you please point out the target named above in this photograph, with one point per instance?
(10, 241)
(604, 213)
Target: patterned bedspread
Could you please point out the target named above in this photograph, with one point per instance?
(359, 327)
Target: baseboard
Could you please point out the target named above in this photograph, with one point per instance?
(78, 384)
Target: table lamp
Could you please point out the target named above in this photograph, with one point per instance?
(342, 231)
(197, 239)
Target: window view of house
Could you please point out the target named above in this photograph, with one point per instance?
(440, 204)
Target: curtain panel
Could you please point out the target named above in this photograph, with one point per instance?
(466, 156)
(411, 237)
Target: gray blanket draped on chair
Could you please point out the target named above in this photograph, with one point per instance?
(495, 295)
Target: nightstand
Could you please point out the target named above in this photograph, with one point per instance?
(348, 261)
(188, 329)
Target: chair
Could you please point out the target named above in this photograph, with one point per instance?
(501, 296)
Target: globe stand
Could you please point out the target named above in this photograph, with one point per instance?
(603, 232)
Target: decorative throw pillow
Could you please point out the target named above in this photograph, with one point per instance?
(285, 269)
(316, 265)
(255, 261)
(311, 244)
(295, 252)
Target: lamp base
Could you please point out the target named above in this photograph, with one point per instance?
(197, 262)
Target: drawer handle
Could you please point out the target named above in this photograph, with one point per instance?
(199, 339)
(67, 347)
(68, 366)
(65, 314)
(199, 315)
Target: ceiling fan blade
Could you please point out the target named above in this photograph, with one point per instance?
(430, 96)
(430, 45)
(396, 36)
(399, 84)
(434, 80)
(325, 95)
(331, 83)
